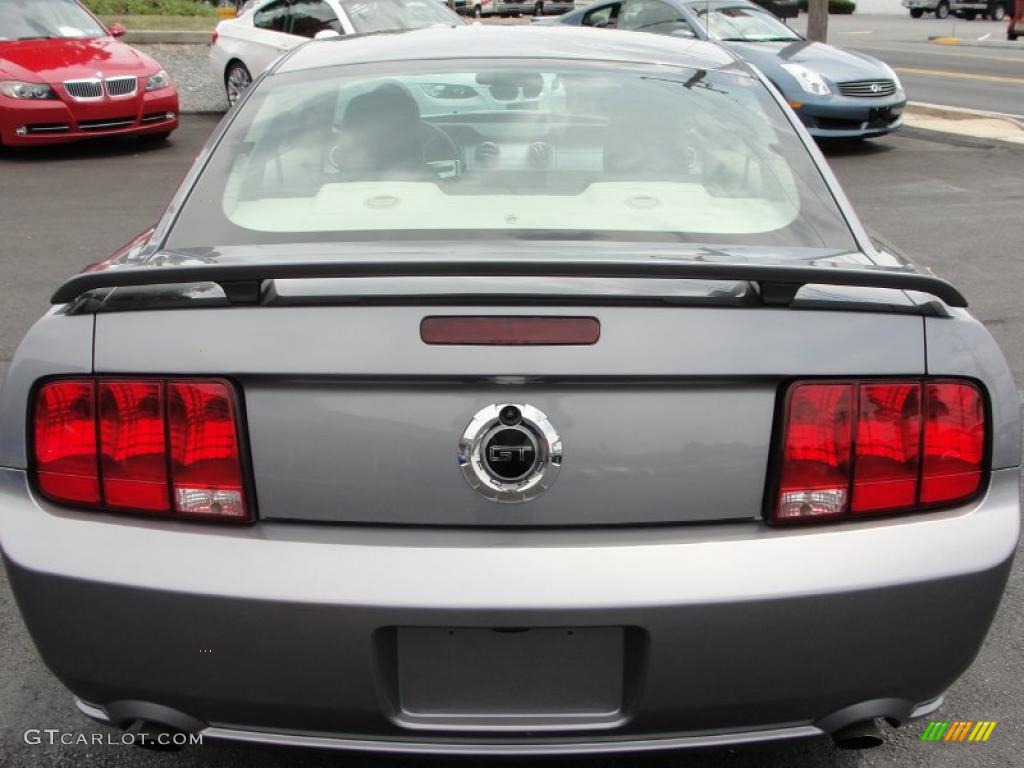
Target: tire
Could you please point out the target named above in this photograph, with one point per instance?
(916, 13)
(970, 15)
(477, 11)
(237, 80)
(997, 12)
(538, 8)
(942, 10)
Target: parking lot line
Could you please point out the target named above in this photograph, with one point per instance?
(982, 113)
(960, 75)
(944, 53)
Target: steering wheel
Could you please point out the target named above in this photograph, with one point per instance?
(441, 154)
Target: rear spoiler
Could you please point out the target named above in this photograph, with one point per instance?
(243, 283)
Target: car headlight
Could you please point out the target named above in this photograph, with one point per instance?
(160, 80)
(447, 91)
(893, 76)
(809, 80)
(16, 90)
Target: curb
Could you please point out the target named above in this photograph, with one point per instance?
(969, 124)
(960, 113)
(169, 37)
(967, 42)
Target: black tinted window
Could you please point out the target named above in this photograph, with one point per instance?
(273, 17)
(312, 16)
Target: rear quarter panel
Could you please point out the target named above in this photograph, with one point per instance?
(962, 346)
(56, 344)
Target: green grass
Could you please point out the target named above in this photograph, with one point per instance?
(135, 23)
(151, 7)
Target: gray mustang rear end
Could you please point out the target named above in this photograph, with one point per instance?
(543, 398)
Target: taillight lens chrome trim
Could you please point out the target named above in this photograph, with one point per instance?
(854, 448)
(167, 447)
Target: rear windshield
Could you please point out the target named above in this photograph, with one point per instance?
(744, 24)
(391, 15)
(509, 150)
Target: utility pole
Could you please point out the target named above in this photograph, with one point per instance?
(817, 20)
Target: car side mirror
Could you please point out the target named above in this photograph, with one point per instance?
(683, 32)
(117, 30)
(325, 34)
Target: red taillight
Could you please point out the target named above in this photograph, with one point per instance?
(815, 479)
(133, 445)
(141, 445)
(854, 448)
(887, 447)
(65, 441)
(204, 450)
(954, 442)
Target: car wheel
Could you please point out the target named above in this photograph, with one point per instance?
(236, 81)
(477, 12)
(916, 13)
(538, 8)
(942, 10)
(998, 13)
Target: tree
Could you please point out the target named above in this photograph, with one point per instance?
(817, 20)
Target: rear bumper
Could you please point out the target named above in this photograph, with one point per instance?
(56, 121)
(507, 748)
(280, 633)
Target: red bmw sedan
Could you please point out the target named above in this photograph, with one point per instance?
(64, 77)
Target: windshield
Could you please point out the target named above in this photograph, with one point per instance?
(744, 24)
(40, 19)
(511, 151)
(391, 15)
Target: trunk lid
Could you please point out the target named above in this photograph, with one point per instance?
(352, 418)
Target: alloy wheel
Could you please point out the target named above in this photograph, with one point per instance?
(237, 83)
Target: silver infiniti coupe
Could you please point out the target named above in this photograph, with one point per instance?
(837, 93)
(508, 391)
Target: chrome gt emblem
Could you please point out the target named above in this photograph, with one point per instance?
(510, 452)
(875, 87)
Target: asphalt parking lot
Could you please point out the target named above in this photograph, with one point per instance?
(977, 74)
(953, 206)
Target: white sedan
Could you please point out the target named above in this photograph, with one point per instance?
(244, 46)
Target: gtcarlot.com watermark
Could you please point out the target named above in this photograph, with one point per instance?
(55, 736)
